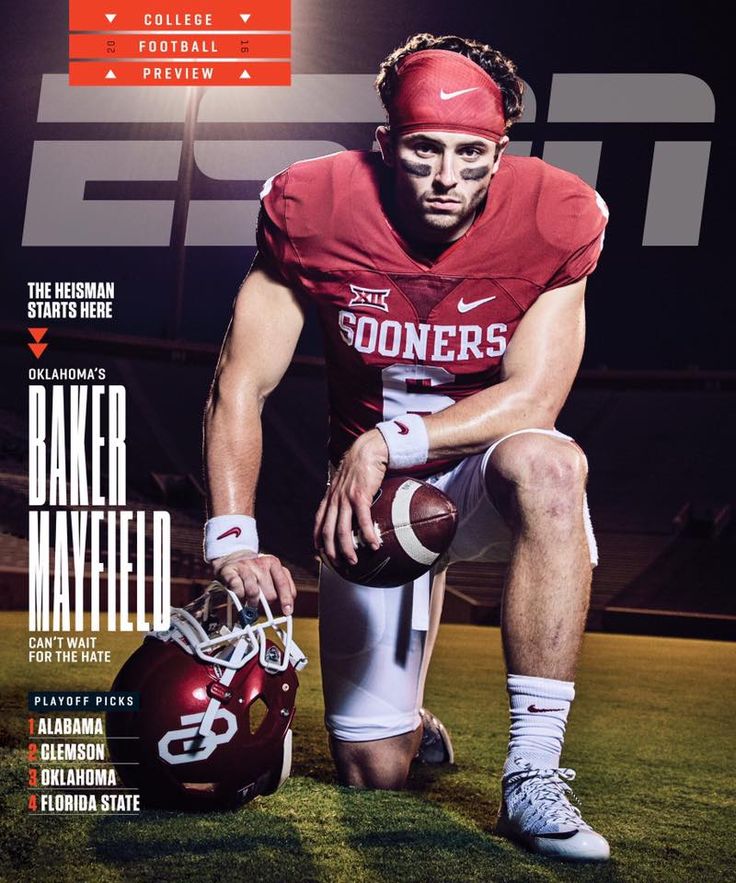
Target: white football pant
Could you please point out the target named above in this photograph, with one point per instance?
(375, 644)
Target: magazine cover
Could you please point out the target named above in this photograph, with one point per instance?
(366, 443)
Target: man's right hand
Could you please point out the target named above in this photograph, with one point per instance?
(248, 573)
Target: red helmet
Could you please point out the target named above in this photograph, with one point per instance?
(216, 705)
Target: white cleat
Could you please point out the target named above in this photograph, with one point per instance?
(436, 745)
(535, 812)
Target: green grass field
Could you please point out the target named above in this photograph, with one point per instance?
(651, 735)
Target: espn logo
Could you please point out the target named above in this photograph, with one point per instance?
(67, 206)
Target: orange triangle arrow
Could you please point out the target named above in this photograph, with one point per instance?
(37, 333)
(37, 349)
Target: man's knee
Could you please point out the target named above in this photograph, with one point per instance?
(533, 470)
(383, 764)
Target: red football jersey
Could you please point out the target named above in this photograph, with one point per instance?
(407, 335)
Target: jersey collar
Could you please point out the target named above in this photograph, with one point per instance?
(367, 204)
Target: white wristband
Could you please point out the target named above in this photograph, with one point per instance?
(406, 439)
(224, 534)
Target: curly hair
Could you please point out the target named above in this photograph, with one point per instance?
(501, 69)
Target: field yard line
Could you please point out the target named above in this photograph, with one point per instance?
(353, 867)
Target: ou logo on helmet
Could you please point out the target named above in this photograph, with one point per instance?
(196, 745)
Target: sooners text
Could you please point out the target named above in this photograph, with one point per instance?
(435, 343)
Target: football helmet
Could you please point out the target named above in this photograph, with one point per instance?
(217, 692)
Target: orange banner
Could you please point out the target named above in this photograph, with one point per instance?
(169, 15)
(204, 47)
(184, 73)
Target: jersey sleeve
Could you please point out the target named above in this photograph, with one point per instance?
(580, 222)
(275, 248)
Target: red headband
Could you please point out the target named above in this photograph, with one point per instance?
(442, 91)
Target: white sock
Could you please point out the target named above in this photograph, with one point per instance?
(538, 708)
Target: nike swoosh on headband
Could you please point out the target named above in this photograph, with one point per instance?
(445, 96)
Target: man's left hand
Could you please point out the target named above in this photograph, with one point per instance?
(349, 495)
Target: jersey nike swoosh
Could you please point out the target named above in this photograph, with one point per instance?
(445, 96)
(462, 307)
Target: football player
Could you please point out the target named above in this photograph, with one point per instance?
(449, 278)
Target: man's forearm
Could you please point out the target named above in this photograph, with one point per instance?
(470, 425)
(538, 370)
(233, 447)
(465, 428)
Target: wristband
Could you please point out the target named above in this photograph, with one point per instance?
(406, 439)
(224, 534)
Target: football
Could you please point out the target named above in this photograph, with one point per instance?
(416, 523)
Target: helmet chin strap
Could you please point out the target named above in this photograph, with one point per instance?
(239, 653)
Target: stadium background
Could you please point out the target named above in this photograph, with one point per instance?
(653, 406)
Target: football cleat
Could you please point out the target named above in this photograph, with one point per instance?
(536, 812)
(436, 745)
